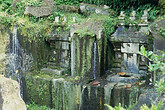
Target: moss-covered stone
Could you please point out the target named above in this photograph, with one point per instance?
(65, 95)
(38, 90)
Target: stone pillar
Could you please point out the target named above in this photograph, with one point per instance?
(73, 57)
(132, 17)
(57, 19)
(144, 17)
(74, 19)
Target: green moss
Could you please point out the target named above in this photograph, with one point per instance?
(84, 60)
(65, 95)
(37, 90)
(85, 32)
(78, 56)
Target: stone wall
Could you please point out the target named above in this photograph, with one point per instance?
(62, 94)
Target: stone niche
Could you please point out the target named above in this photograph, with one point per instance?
(60, 49)
(127, 43)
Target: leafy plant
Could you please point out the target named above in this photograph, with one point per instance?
(34, 2)
(109, 26)
(115, 108)
(34, 106)
(143, 107)
(154, 107)
(162, 31)
(156, 61)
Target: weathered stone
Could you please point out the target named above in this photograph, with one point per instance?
(10, 98)
(118, 79)
(106, 7)
(100, 11)
(132, 16)
(124, 96)
(40, 11)
(38, 90)
(158, 38)
(108, 90)
(122, 15)
(88, 8)
(15, 1)
(130, 48)
(144, 16)
(74, 19)
(147, 97)
(130, 36)
(37, 11)
(68, 8)
(57, 19)
(54, 71)
(126, 46)
(92, 26)
(65, 45)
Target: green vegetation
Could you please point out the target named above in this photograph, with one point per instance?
(156, 64)
(162, 31)
(34, 106)
(144, 107)
(157, 60)
(118, 107)
(38, 29)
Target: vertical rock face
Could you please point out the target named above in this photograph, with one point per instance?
(82, 55)
(3, 45)
(62, 94)
(10, 98)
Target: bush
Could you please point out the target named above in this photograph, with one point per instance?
(162, 6)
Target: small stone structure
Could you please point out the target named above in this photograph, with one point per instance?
(127, 43)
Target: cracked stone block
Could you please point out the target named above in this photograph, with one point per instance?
(130, 47)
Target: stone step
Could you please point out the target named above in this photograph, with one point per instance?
(58, 72)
